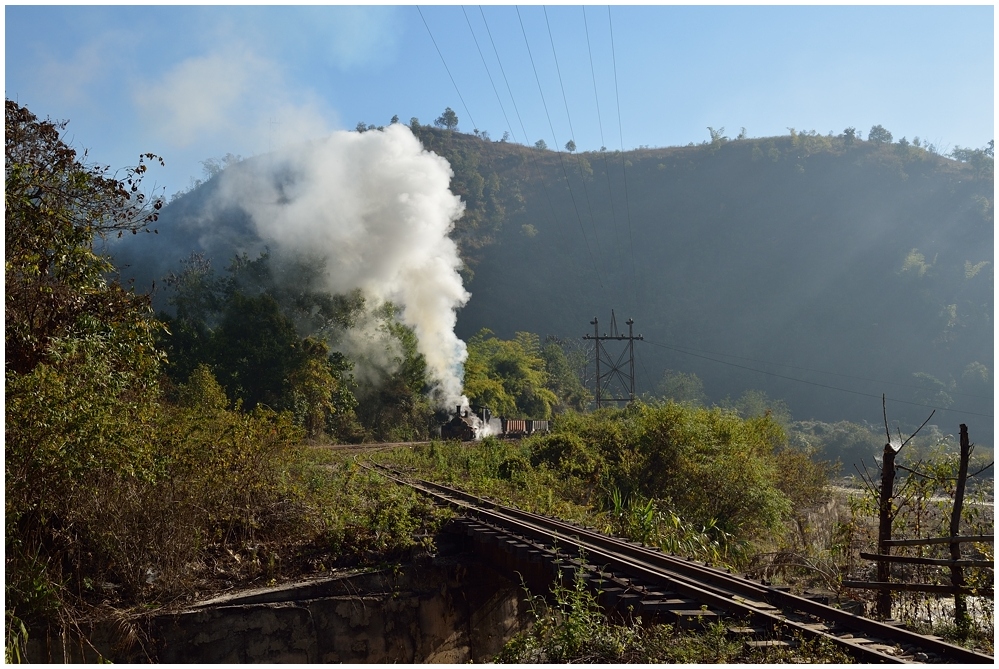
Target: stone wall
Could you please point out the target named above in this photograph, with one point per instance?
(444, 610)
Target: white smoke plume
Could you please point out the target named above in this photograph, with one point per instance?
(378, 209)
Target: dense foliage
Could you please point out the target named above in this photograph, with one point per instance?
(698, 481)
(245, 328)
(122, 486)
(824, 270)
(509, 377)
(80, 367)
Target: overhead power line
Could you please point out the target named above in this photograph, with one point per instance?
(572, 132)
(488, 74)
(565, 100)
(620, 127)
(550, 214)
(603, 144)
(429, 32)
(520, 119)
(565, 174)
(534, 160)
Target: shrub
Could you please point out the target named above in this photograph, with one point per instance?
(714, 467)
(567, 453)
(512, 467)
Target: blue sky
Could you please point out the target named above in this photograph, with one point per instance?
(190, 83)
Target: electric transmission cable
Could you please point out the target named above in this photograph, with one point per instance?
(429, 32)
(565, 174)
(534, 161)
(558, 225)
(603, 144)
(516, 109)
(572, 132)
(620, 126)
(488, 73)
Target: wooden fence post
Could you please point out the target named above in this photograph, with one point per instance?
(885, 517)
(961, 618)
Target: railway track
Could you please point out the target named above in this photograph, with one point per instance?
(378, 446)
(637, 579)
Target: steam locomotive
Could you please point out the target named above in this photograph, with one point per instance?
(467, 425)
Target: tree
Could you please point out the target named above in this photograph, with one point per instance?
(932, 391)
(212, 167)
(55, 205)
(682, 388)
(508, 376)
(395, 406)
(879, 135)
(564, 364)
(980, 159)
(849, 135)
(318, 392)
(570, 146)
(395, 119)
(756, 403)
(448, 120)
(718, 136)
(232, 325)
(256, 350)
(81, 364)
(541, 145)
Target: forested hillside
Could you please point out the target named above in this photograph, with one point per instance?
(869, 261)
(823, 270)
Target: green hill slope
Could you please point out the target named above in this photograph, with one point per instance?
(870, 263)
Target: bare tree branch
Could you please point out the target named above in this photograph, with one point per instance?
(905, 486)
(917, 430)
(982, 469)
(919, 473)
(865, 477)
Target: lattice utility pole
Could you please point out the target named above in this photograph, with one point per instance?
(615, 371)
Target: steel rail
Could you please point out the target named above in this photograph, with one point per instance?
(733, 594)
(773, 596)
(541, 528)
